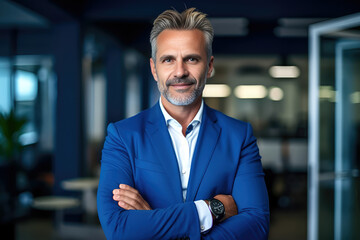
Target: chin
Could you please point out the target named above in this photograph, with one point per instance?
(181, 101)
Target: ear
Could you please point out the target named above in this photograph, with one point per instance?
(210, 67)
(153, 69)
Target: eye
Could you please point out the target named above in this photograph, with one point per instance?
(192, 59)
(167, 60)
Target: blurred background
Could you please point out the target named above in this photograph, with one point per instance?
(68, 68)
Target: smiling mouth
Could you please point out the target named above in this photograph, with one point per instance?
(180, 83)
(181, 86)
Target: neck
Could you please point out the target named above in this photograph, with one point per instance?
(183, 114)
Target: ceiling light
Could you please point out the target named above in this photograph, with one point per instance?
(295, 27)
(299, 22)
(276, 94)
(250, 91)
(327, 92)
(355, 97)
(290, 32)
(216, 90)
(284, 72)
(229, 26)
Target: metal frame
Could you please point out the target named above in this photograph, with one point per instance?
(315, 31)
(340, 136)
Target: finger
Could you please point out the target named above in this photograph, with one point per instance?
(125, 206)
(133, 203)
(144, 204)
(123, 192)
(147, 206)
(129, 188)
(135, 200)
(117, 197)
(128, 191)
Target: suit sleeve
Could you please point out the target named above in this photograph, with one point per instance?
(176, 221)
(250, 194)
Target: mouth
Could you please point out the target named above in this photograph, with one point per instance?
(181, 84)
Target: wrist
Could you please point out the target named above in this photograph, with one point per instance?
(212, 215)
(217, 209)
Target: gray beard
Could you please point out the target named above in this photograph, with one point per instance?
(181, 100)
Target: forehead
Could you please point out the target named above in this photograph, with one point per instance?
(181, 40)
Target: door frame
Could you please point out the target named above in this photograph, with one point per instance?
(315, 32)
(341, 109)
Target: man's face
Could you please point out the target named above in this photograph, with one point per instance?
(181, 65)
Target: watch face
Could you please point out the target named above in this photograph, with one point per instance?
(217, 207)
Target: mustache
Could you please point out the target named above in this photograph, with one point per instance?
(180, 80)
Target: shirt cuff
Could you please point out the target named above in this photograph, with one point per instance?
(204, 214)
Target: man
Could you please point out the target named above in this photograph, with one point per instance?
(181, 170)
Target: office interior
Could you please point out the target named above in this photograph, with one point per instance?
(69, 68)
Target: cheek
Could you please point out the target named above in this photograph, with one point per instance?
(163, 74)
(200, 75)
(161, 81)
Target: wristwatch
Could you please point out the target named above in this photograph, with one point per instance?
(217, 209)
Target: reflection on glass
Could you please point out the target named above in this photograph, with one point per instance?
(5, 102)
(339, 95)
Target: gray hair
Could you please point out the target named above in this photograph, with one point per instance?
(189, 19)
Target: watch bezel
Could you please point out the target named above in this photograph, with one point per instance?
(214, 209)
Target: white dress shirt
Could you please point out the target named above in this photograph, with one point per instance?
(184, 149)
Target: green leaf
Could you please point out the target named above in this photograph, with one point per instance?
(11, 127)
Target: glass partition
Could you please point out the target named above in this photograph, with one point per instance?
(334, 122)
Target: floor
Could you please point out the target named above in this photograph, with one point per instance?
(44, 229)
(288, 224)
(285, 224)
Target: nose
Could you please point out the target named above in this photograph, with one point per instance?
(180, 70)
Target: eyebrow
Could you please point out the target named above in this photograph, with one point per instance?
(193, 56)
(186, 57)
(166, 57)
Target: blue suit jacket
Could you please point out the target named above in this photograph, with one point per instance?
(138, 151)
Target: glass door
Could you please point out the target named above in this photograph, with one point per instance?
(334, 120)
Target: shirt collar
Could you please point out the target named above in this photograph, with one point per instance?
(168, 118)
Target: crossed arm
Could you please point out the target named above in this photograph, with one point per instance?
(130, 199)
(180, 219)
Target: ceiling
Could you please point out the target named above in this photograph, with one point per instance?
(246, 27)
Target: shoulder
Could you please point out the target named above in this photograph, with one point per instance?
(134, 123)
(237, 131)
(225, 120)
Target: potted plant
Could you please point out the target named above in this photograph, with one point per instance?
(11, 127)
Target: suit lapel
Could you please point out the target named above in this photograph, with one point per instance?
(161, 141)
(206, 143)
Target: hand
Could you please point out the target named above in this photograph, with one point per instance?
(129, 198)
(229, 204)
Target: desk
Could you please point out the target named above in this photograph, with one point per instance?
(88, 187)
(57, 204)
(72, 230)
